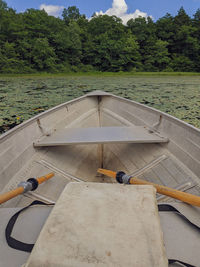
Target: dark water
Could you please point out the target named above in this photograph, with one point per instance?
(23, 98)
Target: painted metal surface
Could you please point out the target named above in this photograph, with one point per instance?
(171, 163)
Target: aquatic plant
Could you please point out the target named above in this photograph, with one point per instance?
(23, 98)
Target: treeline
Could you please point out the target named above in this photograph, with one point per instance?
(33, 41)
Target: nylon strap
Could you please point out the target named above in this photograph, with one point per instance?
(14, 243)
(183, 263)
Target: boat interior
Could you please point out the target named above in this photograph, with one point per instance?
(100, 130)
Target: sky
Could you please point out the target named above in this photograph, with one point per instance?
(125, 9)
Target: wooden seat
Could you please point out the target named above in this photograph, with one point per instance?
(101, 135)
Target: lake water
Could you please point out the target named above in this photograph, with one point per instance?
(23, 98)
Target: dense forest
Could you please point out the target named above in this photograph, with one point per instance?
(33, 41)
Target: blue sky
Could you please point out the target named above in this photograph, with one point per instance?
(123, 8)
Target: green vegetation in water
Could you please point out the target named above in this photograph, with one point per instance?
(23, 98)
(98, 73)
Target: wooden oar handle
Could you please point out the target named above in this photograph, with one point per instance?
(164, 190)
(45, 178)
(161, 189)
(13, 193)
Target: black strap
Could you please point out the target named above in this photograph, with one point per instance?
(167, 207)
(183, 263)
(12, 242)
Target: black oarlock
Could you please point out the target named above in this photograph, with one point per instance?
(34, 183)
(119, 177)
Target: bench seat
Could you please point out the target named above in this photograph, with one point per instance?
(100, 135)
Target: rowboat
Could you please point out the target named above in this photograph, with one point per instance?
(72, 141)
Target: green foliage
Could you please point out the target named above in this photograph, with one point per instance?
(74, 49)
(43, 56)
(177, 95)
(182, 18)
(165, 30)
(196, 24)
(181, 63)
(161, 55)
(3, 5)
(112, 48)
(33, 41)
(70, 14)
(145, 32)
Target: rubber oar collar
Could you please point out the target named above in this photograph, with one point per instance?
(120, 176)
(123, 178)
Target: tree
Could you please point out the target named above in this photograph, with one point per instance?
(10, 61)
(196, 35)
(196, 19)
(42, 55)
(185, 41)
(70, 14)
(161, 55)
(36, 23)
(111, 46)
(131, 58)
(166, 30)
(75, 47)
(182, 18)
(104, 23)
(181, 63)
(196, 23)
(145, 32)
(34, 41)
(3, 5)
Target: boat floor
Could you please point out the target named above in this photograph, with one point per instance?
(151, 162)
(35, 217)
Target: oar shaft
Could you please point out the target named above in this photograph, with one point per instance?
(164, 190)
(11, 194)
(24, 187)
(45, 178)
(121, 177)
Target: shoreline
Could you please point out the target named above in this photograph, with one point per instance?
(99, 74)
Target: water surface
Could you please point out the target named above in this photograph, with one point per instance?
(23, 98)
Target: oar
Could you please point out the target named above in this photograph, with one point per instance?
(121, 177)
(30, 185)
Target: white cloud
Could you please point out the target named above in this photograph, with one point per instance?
(119, 8)
(52, 10)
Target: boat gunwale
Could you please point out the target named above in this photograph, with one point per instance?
(154, 110)
(22, 125)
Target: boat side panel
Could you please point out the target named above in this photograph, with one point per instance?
(16, 147)
(184, 139)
